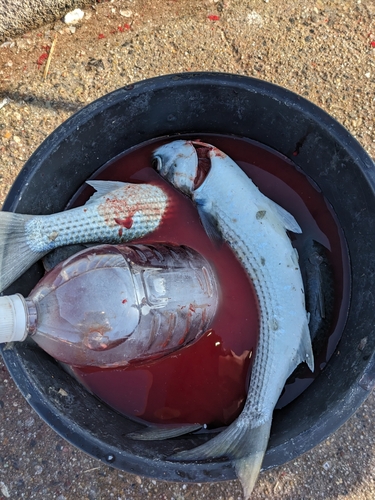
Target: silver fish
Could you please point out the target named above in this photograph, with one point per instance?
(116, 213)
(232, 208)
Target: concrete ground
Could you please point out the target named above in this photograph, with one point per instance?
(323, 50)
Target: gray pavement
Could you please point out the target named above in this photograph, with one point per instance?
(323, 50)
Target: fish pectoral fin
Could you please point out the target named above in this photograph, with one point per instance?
(210, 225)
(305, 348)
(243, 444)
(102, 188)
(288, 220)
(164, 432)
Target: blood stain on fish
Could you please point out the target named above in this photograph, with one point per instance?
(127, 222)
(119, 211)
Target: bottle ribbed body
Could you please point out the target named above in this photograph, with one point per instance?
(114, 304)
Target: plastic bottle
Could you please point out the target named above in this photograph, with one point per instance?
(112, 304)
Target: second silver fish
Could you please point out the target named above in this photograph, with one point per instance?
(117, 212)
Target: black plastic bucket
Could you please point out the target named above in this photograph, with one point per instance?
(201, 103)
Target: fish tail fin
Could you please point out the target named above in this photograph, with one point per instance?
(243, 444)
(15, 254)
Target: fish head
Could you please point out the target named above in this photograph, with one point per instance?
(177, 162)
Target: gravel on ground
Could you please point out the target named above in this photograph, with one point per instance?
(323, 50)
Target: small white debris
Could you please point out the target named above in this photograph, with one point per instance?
(74, 16)
(326, 466)
(38, 469)
(8, 45)
(16, 139)
(4, 102)
(62, 392)
(72, 29)
(367, 75)
(126, 13)
(29, 422)
(4, 490)
(254, 18)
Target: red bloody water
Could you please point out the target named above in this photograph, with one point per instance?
(206, 382)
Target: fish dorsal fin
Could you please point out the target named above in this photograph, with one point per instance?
(210, 225)
(288, 220)
(305, 348)
(102, 188)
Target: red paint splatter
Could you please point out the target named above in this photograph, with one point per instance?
(100, 36)
(44, 56)
(127, 223)
(213, 17)
(372, 43)
(41, 59)
(124, 301)
(123, 28)
(120, 232)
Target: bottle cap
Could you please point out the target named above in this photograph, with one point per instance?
(13, 318)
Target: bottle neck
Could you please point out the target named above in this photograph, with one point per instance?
(32, 316)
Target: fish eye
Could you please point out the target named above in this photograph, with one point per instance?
(156, 163)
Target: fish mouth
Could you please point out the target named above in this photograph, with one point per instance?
(204, 162)
(165, 162)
